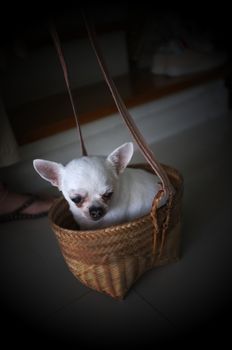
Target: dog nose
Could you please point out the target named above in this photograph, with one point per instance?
(96, 212)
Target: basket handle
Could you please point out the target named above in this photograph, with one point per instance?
(138, 137)
(57, 45)
(124, 113)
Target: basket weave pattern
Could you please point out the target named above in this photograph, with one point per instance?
(110, 260)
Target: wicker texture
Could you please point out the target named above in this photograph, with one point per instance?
(110, 260)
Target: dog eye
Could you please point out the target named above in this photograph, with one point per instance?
(106, 196)
(77, 199)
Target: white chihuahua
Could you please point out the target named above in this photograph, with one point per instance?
(100, 191)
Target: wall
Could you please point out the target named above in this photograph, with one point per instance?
(39, 74)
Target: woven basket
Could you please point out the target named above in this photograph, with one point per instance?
(110, 260)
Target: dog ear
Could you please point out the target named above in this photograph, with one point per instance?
(50, 171)
(121, 156)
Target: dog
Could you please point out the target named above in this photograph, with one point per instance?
(102, 191)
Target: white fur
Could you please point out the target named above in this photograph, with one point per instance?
(91, 177)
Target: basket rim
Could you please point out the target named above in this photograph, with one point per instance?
(111, 229)
(108, 229)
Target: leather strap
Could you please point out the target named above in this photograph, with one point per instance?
(141, 142)
(57, 44)
(124, 113)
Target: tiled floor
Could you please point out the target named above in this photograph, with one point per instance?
(39, 294)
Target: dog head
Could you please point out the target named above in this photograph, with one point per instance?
(88, 183)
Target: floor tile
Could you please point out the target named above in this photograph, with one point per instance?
(101, 320)
(35, 280)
